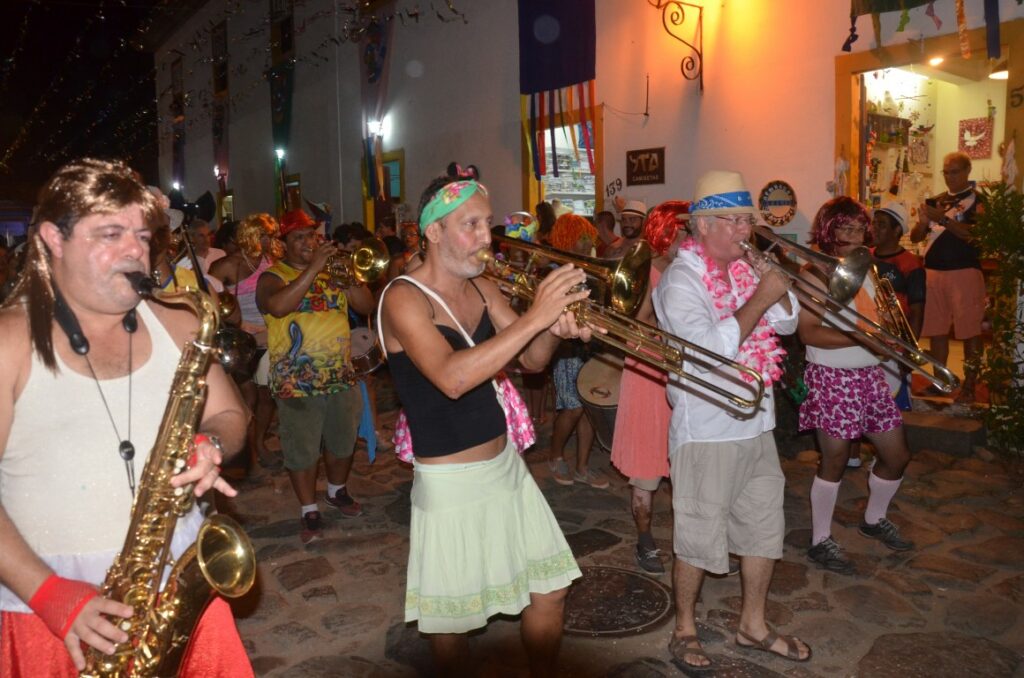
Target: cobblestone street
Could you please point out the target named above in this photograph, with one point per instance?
(952, 607)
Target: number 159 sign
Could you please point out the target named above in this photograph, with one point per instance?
(645, 166)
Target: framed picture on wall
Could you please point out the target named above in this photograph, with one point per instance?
(975, 138)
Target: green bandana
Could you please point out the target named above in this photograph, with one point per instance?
(448, 199)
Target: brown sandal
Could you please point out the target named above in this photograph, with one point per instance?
(679, 647)
(765, 645)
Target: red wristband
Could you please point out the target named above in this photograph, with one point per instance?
(58, 602)
(198, 438)
(194, 458)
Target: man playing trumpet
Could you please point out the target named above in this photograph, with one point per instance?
(727, 484)
(482, 538)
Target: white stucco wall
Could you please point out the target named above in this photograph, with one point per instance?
(767, 109)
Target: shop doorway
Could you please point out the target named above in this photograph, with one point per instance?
(913, 116)
(897, 115)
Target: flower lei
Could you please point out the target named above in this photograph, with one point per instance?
(761, 350)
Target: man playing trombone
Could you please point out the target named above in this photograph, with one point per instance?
(727, 485)
(848, 398)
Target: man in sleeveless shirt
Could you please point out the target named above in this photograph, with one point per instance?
(483, 540)
(75, 397)
(310, 367)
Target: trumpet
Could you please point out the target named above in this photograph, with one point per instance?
(643, 341)
(365, 265)
(875, 338)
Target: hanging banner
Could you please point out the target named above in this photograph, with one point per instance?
(557, 44)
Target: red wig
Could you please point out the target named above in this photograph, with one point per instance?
(663, 224)
(832, 216)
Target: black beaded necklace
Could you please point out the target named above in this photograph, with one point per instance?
(80, 345)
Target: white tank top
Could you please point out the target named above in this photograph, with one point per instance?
(62, 481)
(851, 356)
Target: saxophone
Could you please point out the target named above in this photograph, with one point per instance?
(221, 560)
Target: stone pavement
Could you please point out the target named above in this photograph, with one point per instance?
(952, 607)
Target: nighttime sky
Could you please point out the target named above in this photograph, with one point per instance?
(75, 80)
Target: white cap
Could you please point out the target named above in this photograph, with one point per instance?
(898, 211)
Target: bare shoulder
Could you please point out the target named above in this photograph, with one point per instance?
(14, 332)
(223, 268)
(489, 289)
(404, 298)
(17, 349)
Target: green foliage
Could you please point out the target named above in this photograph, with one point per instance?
(1000, 235)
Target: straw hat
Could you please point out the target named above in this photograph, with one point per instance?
(722, 192)
(637, 207)
(898, 211)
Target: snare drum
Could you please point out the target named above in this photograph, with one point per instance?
(598, 386)
(366, 353)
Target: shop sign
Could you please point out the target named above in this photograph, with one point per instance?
(645, 166)
(777, 203)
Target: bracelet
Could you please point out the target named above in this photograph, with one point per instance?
(58, 602)
(204, 438)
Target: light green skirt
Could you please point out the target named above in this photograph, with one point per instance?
(482, 538)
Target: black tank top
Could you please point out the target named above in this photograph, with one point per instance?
(439, 425)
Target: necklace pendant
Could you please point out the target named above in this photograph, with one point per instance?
(126, 450)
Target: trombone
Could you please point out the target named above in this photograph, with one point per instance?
(619, 283)
(641, 340)
(841, 275)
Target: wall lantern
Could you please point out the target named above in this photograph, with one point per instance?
(1000, 71)
(673, 18)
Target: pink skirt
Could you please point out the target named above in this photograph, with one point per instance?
(640, 445)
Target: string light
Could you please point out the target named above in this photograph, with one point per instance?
(353, 19)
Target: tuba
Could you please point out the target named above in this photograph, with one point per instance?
(891, 315)
(221, 560)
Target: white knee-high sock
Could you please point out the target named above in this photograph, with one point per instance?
(823, 503)
(882, 491)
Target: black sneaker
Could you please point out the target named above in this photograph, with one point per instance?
(648, 560)
(829, 555)
(312, 527)
(343, 501)
(887, 533)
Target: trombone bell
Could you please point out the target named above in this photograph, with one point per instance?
(620, 284)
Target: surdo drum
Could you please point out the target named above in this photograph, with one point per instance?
(598, 387)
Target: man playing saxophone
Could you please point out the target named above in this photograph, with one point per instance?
(82, 395)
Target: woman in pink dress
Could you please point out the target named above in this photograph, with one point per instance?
(640, 445)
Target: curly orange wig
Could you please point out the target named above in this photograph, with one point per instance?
(663, 224)
(252, 228)
(569, 229)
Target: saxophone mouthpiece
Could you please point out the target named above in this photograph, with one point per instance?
(141, 283)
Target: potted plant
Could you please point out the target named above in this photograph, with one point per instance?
(999, 233)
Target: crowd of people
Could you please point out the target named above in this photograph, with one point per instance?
(483, 539)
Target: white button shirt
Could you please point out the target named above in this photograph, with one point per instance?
(684, 308)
